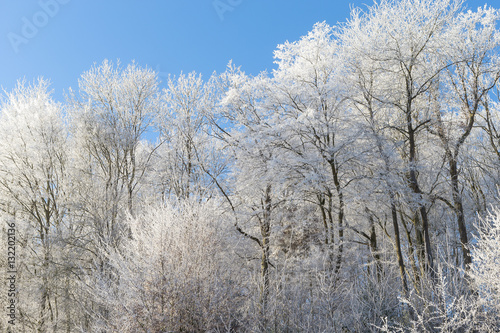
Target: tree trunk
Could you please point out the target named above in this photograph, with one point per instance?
(340, 215)
(459, 211)
(374, 250)
(413, 184)
(265, 227)
(397, 239)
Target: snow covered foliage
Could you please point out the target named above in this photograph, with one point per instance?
(34, 189)
(174, 272)
(338, 192)
(486, 268)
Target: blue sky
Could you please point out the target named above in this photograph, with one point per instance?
(60, 39)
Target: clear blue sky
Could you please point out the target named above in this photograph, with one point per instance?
(60, 39)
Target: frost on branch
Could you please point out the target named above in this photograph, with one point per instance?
(485, 271)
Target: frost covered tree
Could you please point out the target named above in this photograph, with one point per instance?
(472, 71)
(314, 129)
(189, 161)
(33, 195)
(394, 52)
(110, 116)
(294, 150)
(251, 198)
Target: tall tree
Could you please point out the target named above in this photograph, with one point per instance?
(33, 189)
(472, 71)
(399, 41)
(110, 117)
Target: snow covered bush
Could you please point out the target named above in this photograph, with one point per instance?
(485, 271)
(460, 300)
(173, 273)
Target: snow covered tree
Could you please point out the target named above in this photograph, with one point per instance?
(470, 57)
(394, 50)
(33, 195)
(189, 160)
(112, 113)
(314, 128)
(109, 119)
(252, 197)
